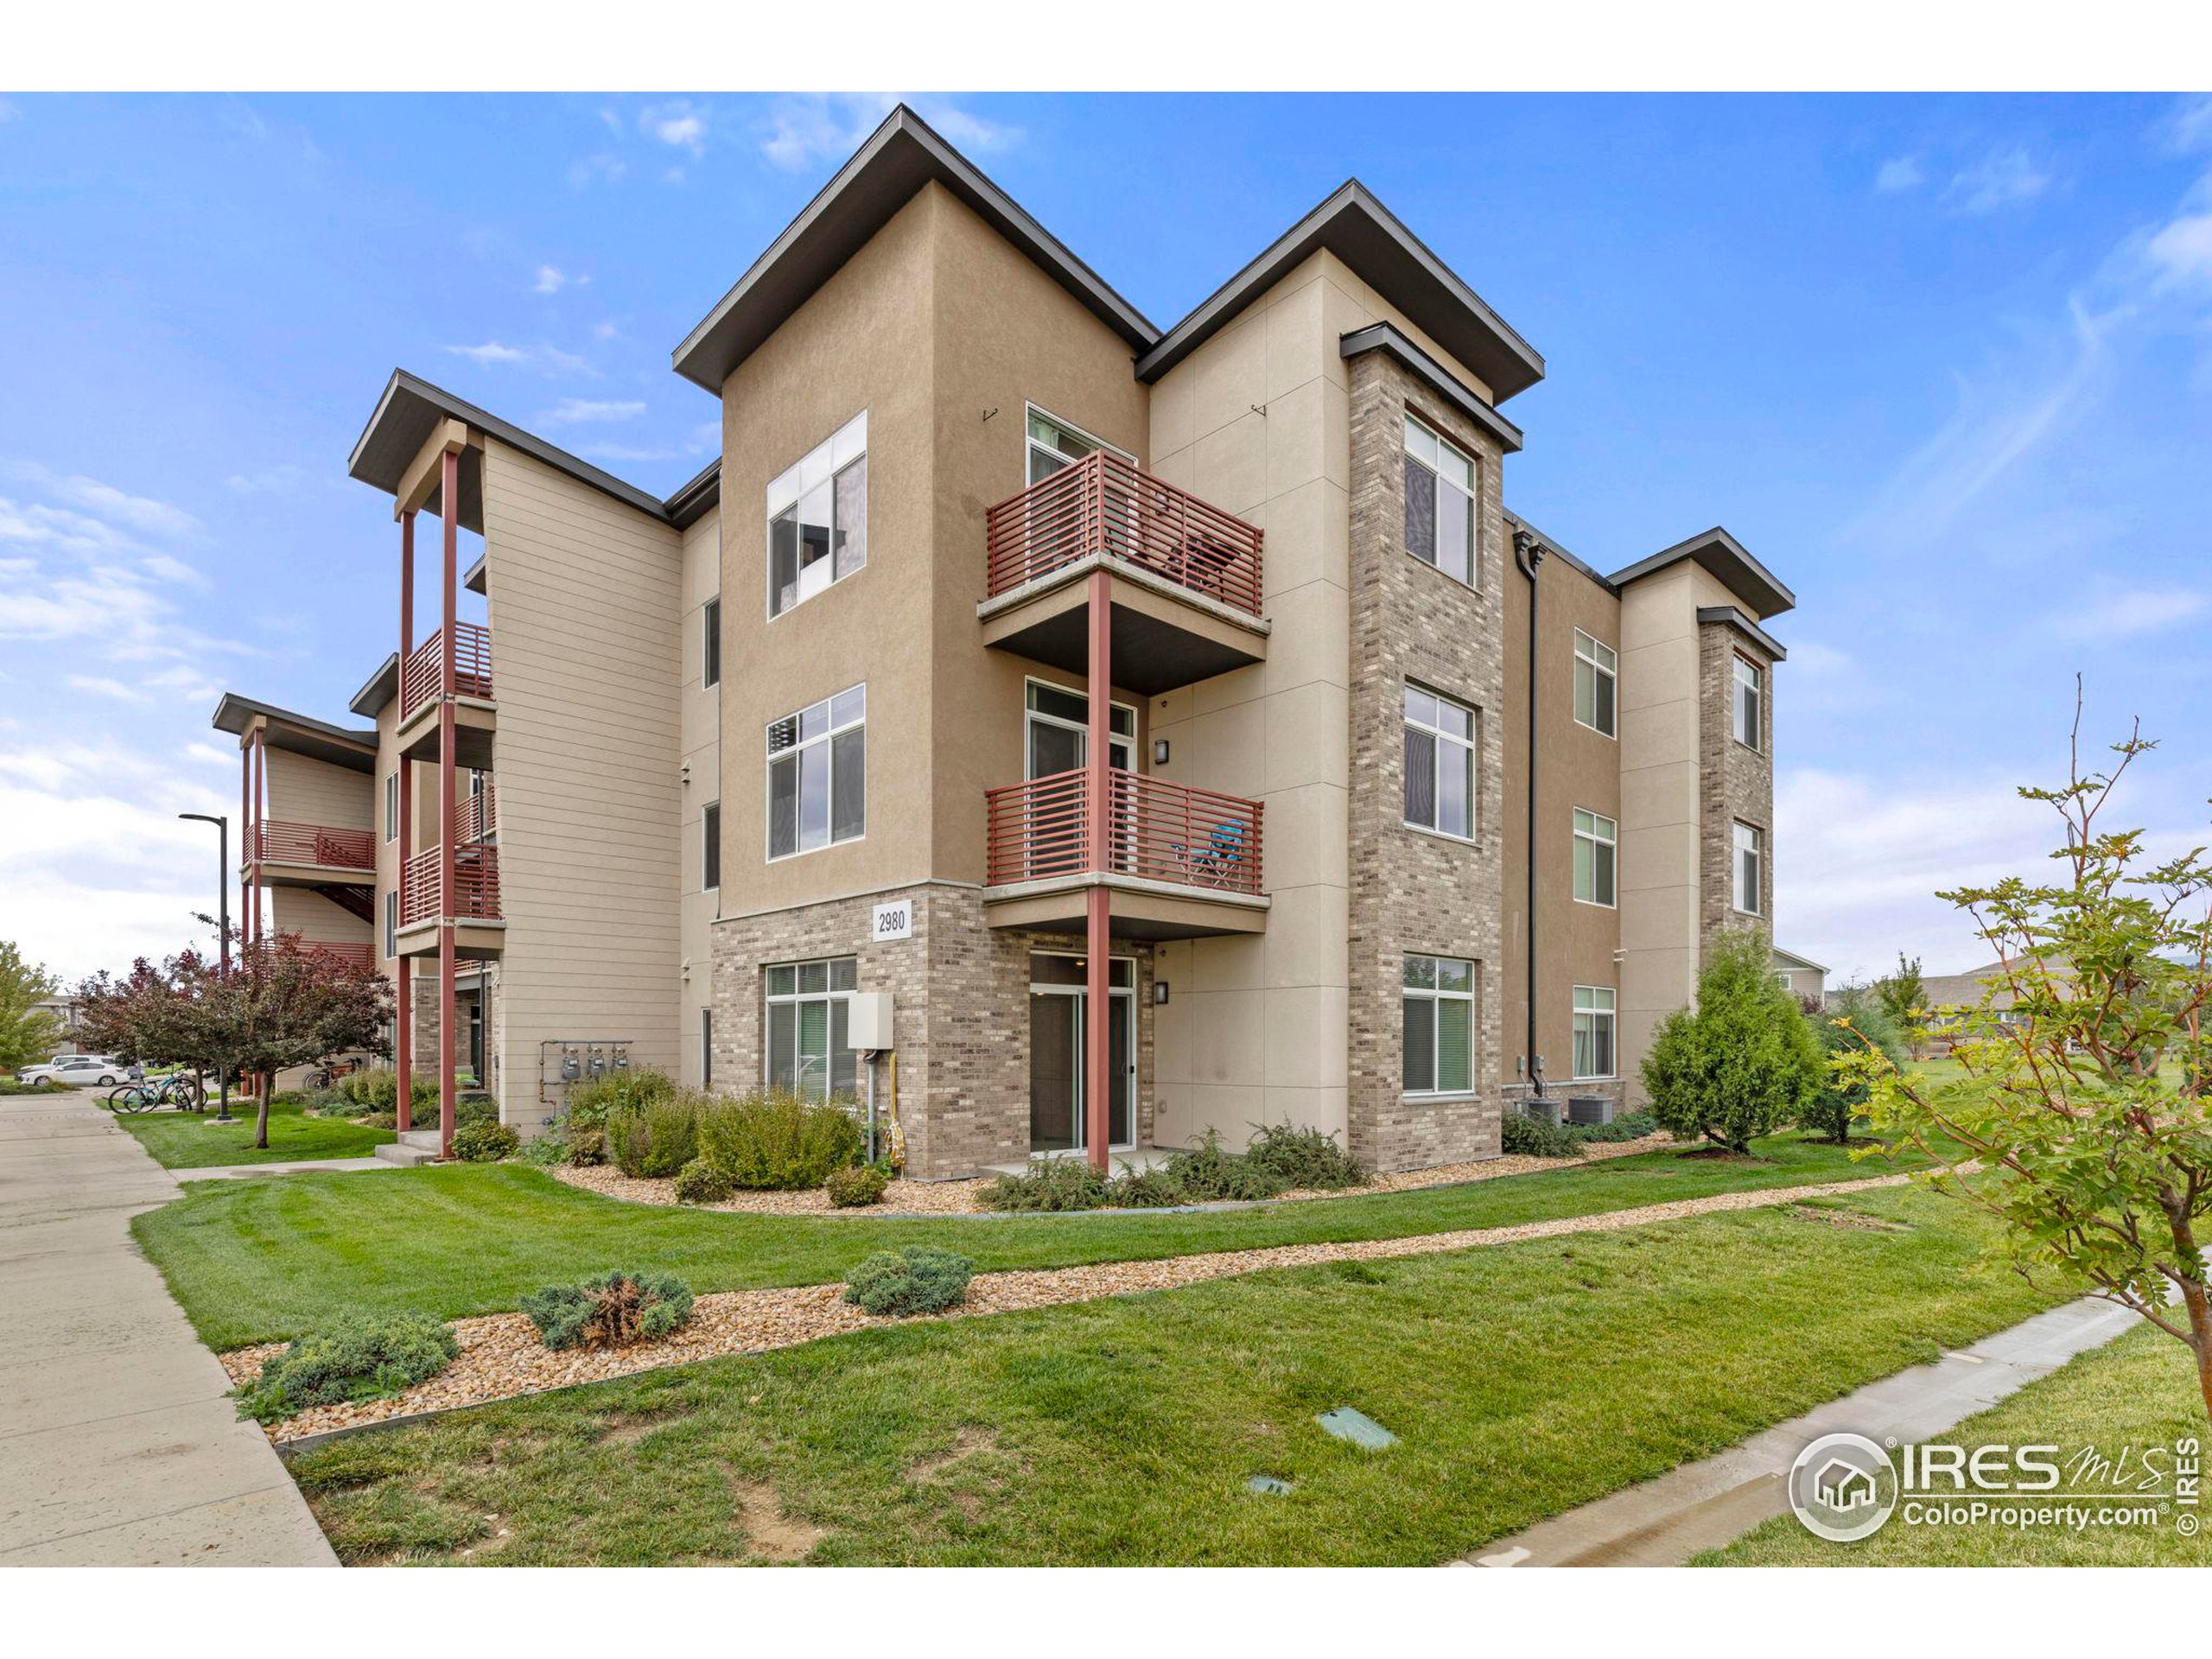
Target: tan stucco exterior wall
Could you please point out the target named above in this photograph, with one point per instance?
(585, 599)
(1576, 767)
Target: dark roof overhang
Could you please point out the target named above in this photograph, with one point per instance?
(409, 414)
(381, 687)
(1368, 237)
(301, 733)
(1729, 617)
(901, 157)
(1389, 339)
(1729, 563)
(697, 497)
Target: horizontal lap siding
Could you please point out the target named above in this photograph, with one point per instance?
(303, 789)
(584, 606)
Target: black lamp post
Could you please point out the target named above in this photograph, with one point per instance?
(223, 932)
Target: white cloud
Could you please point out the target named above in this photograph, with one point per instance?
(681, 124)
(547, 359)
(2189, 127)
(99, 686)
(1997, 180)
(276, 480)
(606, 331)
(2133, 611)
(2181, 251)
(603, 167)
(803, 130)
(1900, 173)
(490, 352)
(551, 279)
(104, 502)
(571, 412)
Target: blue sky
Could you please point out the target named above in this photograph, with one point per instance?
(1945, 364)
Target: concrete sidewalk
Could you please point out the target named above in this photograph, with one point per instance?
(119, 1446)
(1702, 1506)
(318, 1167)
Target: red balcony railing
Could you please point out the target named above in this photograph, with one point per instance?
(424, 669)
(1102, 504)
(360, 955)
(477, 817)
(277, 843)
(475, 896)
(1158, 830)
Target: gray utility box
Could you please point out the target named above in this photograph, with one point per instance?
(1589, 1109)
(1543, 1108)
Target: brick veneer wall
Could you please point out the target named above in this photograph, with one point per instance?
(1411, 891)
(1734, 783)
(961, 999)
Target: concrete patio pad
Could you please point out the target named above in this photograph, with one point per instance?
(118, 1445)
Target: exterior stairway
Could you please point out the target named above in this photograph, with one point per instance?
(415, 1146)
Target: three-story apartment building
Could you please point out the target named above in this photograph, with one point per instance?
(1175, 726)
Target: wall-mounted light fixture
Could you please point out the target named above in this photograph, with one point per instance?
(1160, 992)
(1159, 751)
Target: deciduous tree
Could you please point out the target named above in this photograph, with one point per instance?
(1743, 1062)
(29, 1033)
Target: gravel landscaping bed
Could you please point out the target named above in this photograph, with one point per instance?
(965, 1198)
(501, 1355)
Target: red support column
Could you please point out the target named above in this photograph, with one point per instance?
(253, 821)
(1097, 1083)
(449, 517)
(402, 969)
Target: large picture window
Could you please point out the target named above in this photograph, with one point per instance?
(817, 775)
(1593, 1031)
(1440, 503)
(1597, 841)
(809, 1003)
(1440, 763)
(1749, 713)
(1439, 1020)
(1596, 677)
(818, 519)
(1751, 868)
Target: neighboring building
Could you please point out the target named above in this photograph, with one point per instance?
(1802, 976)
(1160, 718)
(63, 1009)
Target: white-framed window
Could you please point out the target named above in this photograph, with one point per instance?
(1751, 867)
(1440, 763)
(1596, 677)
(817, 775)
(1439, 1025)
(1440, 503)
(391, 923)
(1596, 844)
(1593, 1031)
(808, 1005)
(1059, 730)
(818, 519)
(710, 643)
(391, 805)
(706, 1048)
(1749, 716)
(710, 845)
(1051, 443)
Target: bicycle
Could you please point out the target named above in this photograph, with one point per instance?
(133, 1097)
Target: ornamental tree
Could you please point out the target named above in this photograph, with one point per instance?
(1904, 998)
(1743, 1062)
(2084, 1113)
(1858, 1020)
(27, 1033)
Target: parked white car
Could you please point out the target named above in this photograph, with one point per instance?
(79, 1071)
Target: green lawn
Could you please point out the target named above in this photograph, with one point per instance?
(255, 1260)
(190, 1139)
(1521, 1380)
(2139, 1391)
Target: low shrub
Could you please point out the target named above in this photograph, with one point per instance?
(1207, 1173)
(377, 1090)
(1308, 1159)
(475, 1108)
(546, 1150)
(1628, 1126)
(1145, 1189)
(1522, 1136)
(329, 1102)
(915, 1280)
(610, 1310)
(655, 1137)
(378, 1120)
(357, 1359)
(590, 1105)
(778, 1141)
(702, 1181)
(485, 1143)
(1050, 1184)
(587, 1147)
(857, 1184)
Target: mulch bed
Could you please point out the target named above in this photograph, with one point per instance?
(501, 1355)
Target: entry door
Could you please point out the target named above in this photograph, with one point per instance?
(1057, 1042)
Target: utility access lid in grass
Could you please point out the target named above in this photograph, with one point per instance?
(1357, 1426)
